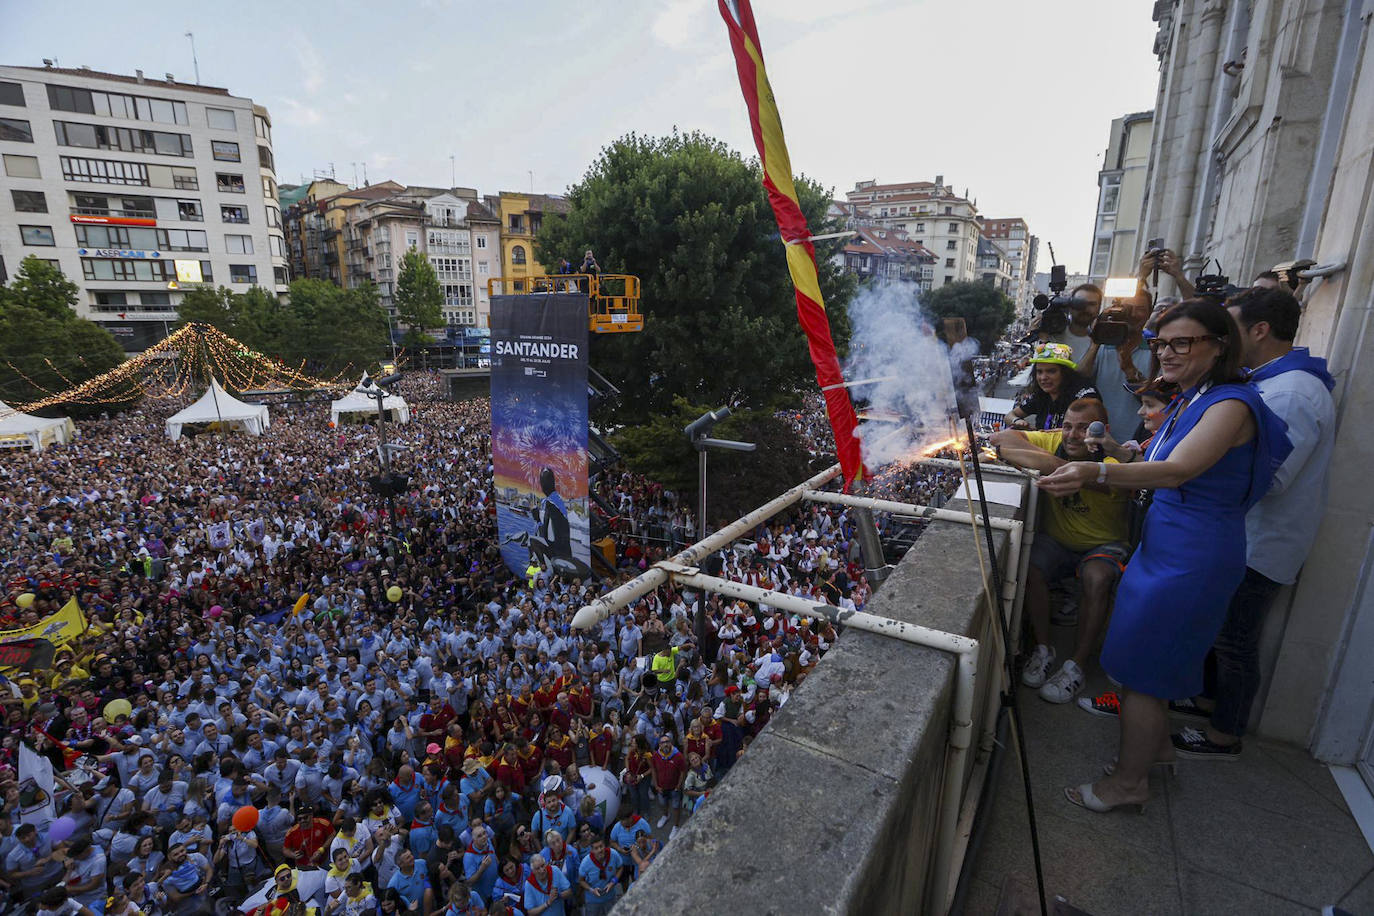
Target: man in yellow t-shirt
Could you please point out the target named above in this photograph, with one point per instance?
(1086, 533)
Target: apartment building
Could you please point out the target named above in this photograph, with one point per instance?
(521, 216)
(1014, 238)
(137, 189)
(1121, 198)
(888, 254)
(931, 214)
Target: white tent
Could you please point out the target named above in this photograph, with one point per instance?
(218, 406)
(21, 430)
(355, 402)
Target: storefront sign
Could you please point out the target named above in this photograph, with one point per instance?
(114, 220)
(118, 253)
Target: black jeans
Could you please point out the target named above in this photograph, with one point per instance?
(1236, 653)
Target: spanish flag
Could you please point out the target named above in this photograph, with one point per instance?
(801, 255)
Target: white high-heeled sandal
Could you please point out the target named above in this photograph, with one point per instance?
(1088, 799)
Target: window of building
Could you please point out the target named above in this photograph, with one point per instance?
(951, 245)
(261, 129)
(265, 158)
(948, 210)
(277, 245)
(273, 217)
(127, 139)
(29, 201)
(21, 166)
(155, 298)
(12, 94)
(189, 210)
(954, 227)
(517, 222)
(16, 130)
(1102, 256)
(412, 238)
(279, 275)
(949, 262)
(229, 183)
(948, 279)
(108, 298)
(1111, 195)
(269, 188)
(517, 254)
(117, 105)
(481, 241)
(483, 269)
(238, 244)
(224, 151)
(128, 269)
(37, 235)
(243, 273)
(233, 214)
(220, 119)
(183, 179)
(104, 171)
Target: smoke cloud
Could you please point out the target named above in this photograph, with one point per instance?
(905, 371)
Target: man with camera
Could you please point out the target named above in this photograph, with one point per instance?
(1085, 533)
(1117, 360)
(1067, 319)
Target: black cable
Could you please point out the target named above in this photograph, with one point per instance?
(1009, 697)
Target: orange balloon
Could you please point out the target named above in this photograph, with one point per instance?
(245, 819)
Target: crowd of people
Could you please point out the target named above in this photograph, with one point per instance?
(281, 684)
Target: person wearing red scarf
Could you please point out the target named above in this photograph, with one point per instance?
(559, 747)
(546, 889)
(600, 747)
(669, 769)
(509, 770)
(599, 877)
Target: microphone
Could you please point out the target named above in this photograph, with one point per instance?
(1096, 430)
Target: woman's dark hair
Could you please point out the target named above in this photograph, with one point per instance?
(1217, 321)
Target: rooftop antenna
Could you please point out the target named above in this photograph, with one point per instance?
(366, 183)
(355, 174)
(452, 175)
(531, 182)
(195, 63)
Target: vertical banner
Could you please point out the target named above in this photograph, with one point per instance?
(539, 431)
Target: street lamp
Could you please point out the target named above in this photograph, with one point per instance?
(696, 434)
(386, 484)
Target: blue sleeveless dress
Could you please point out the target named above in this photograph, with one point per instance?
(1173, 596)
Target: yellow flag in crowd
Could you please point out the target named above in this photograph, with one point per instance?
(58, 629)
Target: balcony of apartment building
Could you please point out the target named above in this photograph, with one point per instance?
(331, 256)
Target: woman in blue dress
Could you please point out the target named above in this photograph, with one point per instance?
(1212, 459)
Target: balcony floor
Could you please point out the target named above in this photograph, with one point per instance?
(1267, 833)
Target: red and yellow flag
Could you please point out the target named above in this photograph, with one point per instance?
(801, 254)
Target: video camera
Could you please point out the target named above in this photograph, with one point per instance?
(1214, 286)
(1055, 310)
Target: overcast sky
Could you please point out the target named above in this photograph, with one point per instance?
(1011, 99)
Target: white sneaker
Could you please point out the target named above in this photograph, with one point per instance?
(1038, 666)
(673, 833)
(1064, 686)
(662, 820)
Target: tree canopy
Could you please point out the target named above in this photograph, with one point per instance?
(691, 218)
(44, 346)
(419, 298)
(986, 310)
(329, 328)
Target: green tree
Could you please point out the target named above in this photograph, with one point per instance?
(419, 298)
(333, 329)
(44, 347)
(215, 306)
(690, 217)
(737, 481)
(986, 310)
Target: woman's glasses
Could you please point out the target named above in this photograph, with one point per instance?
(1180, 345)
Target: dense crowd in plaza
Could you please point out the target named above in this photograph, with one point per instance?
(314, 699)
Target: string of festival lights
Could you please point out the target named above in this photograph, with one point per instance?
(191, 355)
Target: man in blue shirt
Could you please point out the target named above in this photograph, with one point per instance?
(405, 792)
(599, 877)
(630, 826)
(545, 889)
(411, 882)
(479, 863)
